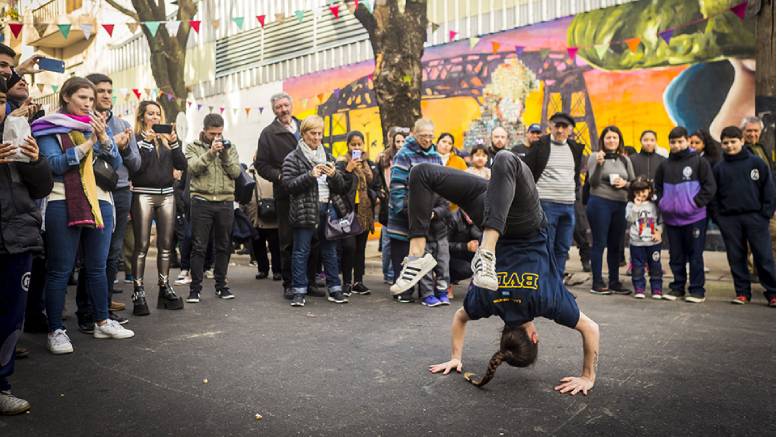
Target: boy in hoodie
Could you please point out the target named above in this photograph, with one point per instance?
(742, 207)
(684, 186)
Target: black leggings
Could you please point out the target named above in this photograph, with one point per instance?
(353, 257)
(508, 202)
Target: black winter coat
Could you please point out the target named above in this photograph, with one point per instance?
(302, 188)
(155, 175)
(460, 234)
(275, 143)
(646, 164)
(351, 183)
(538, 155)
(20, 218)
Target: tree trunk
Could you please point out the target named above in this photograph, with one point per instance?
(765, 70)
(397, 41)
(168, 52)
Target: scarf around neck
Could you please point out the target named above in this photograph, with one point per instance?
(315, 157)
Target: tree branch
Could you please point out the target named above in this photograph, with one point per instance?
(128, 12)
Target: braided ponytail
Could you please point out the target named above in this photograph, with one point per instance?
(496, 361)
(515, 348)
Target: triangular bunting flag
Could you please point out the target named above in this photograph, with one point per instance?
(261, 19)
(519, 50)
(87, 29)
(371, 77)
(148, 91)
(234, 111)
(136, 92)
(41, 28)
(261, 109)
(41, 86)
(210, 109)
(300, 15)
(666, 35)
(633, 44)
(55, 88)
(572, 52)
(64, 29)
(434, 26)
(215, 23)
(601, 50)
(195, 25)
(114, 99)
(335, 9)
(248, 111)
(740, 10)
(172, 27)
(221, 109)
(188, 103)
(133, 27)
(473, 41)
(109, 29)
(199, 106)
(369, 5)
(238, 22)
(495, 47)
(16, 29)
(452, 35)
(279, 17)
(320, 98)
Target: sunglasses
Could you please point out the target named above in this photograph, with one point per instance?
(561, 125)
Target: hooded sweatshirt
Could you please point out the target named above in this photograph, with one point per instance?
(684, 186)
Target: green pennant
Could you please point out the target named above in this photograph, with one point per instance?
(152, 26)
(300, 15)
(239, 22)
(55, 88)
(601, 50)
(114, 98)
(64, 29)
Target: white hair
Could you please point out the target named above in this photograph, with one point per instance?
(750, 120)
(278, 96)
(422, 123)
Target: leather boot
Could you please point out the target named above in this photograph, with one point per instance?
(140, 307)
(168, 299)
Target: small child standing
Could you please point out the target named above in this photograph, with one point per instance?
(742, 208)
(644, 238)
(479, 157)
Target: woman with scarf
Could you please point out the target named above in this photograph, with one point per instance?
(77, 210)
(154, 200)
(361, 186)
(310, 178)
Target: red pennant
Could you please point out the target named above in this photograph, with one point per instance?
(452, 35)
(108, 28)
(16, 29)
(188, 103)
(221, 109)
(195, 24)
(136, 92)
(261, 20)
(335, 9)
(633, 44)
(572, 52)
(740, 10)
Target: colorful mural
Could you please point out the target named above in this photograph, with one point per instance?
(701, 76)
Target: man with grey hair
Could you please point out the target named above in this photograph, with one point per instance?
(751, 128)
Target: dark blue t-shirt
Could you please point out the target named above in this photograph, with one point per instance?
(529, 287)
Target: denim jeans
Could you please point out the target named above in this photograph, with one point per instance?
(385, 247)
(650, 257)
(15, 277)
(122, 201)
(303, 238)
(561, 228)
(608, 225)
(61, 247)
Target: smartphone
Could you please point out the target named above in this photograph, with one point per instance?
(162, 128)
(356, 154)
(50, 64)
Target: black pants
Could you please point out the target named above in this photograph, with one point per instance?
(207, 215)
(580, 236)
(285, 238)
(36, 309)
(460, 268)
(267, 238)
(399, 250)
(353, 258)
(508, 202)
(738, 232)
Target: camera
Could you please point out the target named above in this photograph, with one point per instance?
(226, 143)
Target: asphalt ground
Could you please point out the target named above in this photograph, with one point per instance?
(666, 368)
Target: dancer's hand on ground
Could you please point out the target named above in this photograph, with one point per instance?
(574, 385)
(446, 367)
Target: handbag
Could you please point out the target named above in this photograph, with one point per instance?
(340, 228)
(244, 186)
(104, 174)
(265, 208)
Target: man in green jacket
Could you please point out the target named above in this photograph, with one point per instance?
(213, 167)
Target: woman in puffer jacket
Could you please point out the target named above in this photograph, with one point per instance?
(310, 178)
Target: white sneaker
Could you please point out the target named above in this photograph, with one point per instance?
(412, 272)
(112, 329)
(183, 278)
(210, 274)
(639, 295)
(484, 270)
(694, 299)
(11, 405)
(58, 343)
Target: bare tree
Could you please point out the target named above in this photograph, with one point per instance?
(168, 52)
(764, 73)
(397, 40)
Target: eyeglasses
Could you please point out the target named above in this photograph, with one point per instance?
(560, 125)
(425, 136)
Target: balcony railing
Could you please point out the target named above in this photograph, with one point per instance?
(54, 10)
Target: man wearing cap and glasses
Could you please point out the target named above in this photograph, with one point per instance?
(533, 134)
(554, 161)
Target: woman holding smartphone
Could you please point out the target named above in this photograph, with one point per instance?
(610, 173)
(361, 186)
(78, 211)
(310, 178)
(154, 200)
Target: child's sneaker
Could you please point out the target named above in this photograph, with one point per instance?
(657, 295)
(442, 296)
(639, 294)
(430, 301)
(412, 272)
(694, 299)
(740, 300)
(772, 302)
(484, 270)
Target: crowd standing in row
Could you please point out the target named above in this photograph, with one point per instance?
(86, 185)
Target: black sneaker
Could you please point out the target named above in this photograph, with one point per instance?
(360, 288)
(337, 297)
(402, 298)
(316, 291)
(116, 318)
(261, 275)
(276, 277)
(224, 293)
(298, 300)
(673, 295)
(619, 288)
(194, 297)
(288, 293)
(347, 290)
(600, 289)
(86, 326)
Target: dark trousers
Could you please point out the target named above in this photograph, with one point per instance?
(461, 268)
(353, 249)
(15, 280)
(183, 230)
(650, 257)
(206, 216)
(580, 236)
(267, 238)
(285, 237)
(122, 201)
(686, 246)
(508, 202)
(608, 224)
(399, 250)
(738, 232)
(36, 307)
